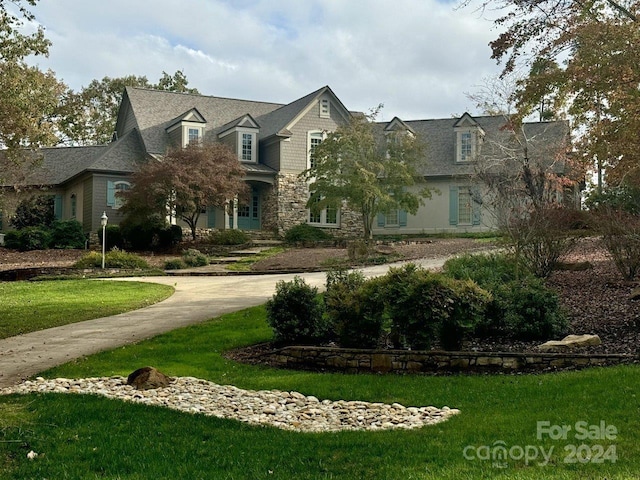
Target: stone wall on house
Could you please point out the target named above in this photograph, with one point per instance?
(406, 361)
(291, 200)
(269, 220)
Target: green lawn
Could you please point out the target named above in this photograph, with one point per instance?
(30, 306)
(91, 437)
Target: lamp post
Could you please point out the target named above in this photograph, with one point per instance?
(103, 221)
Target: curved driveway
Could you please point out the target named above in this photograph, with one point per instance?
(195, 300)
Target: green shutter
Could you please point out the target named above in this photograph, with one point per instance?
(476, 202)
(211, 217)
(381, 219)
(402, 218)
(111, 194)
(57, 207)
(453, 205)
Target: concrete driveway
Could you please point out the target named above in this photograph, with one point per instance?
(195, 300)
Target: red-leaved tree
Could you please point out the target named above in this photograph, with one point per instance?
(186, 181)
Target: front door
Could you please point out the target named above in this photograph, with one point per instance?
(249, 214)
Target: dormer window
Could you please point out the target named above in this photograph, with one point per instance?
(194, 135)
(469, 137)
(247, 147)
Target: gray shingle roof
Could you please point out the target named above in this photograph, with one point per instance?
(155, 109)
(439, 137)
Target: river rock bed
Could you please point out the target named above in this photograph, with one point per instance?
(285, 410)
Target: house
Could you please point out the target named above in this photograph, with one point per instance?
(272, 142)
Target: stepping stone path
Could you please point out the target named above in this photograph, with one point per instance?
(285, 410)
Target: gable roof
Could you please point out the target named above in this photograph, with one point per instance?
(155, 110)
(280, 121)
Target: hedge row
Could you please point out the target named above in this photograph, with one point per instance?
(413, 308)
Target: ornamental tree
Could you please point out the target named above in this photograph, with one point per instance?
(186, 181)
(368, 172)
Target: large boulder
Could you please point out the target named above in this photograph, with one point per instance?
(147, 378)
(570, 342)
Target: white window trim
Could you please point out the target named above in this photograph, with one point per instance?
(254, 144)
(461, 191)
(118, 201)
(313, 134)
(475, 142)
(186, 126)
(323, 219)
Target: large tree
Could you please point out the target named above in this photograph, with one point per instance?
(95, 107)
(30, 100)
(597, 45)
(186, 181)
(366, 170)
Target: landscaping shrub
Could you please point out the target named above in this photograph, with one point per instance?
(521, 306)
(423, 306)
(174, 264)
(35, 211)
(113, 259)
(358, 250)
(67, 234)
(295, 313)
(229, 237)
(149, 234)
(28, 238)
(305, 233)
(529, 310)
(346, 320)
(194, 258)
(113, 235)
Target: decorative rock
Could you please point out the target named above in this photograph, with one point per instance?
(147, 378)
(196, 396)
(570, 342)
(635, 294)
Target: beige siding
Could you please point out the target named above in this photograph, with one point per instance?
(433, 216)
(76, 189)
(231, 140)
(175, 137)
(294, 152)
(129, 121)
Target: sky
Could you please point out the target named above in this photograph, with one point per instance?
(417, 57)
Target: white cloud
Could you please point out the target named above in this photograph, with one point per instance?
(418, 57)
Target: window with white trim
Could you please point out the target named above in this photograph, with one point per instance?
(391, 218)
(328, 216)
(465, 206)
(193, 135)
(247, 147)
(467, 145)
(119, 188)
(315, 139)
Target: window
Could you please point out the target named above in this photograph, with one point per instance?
(194, 135)
(325, 108)
(466, 150)
(391, 218)
(247, 147)
(465, 206)
(315, 139)
(328, 216)
(114, 200)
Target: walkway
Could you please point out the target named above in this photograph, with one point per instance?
(195, 300)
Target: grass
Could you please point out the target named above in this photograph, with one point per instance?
(244, 264)
(31, 306)
(91, 437)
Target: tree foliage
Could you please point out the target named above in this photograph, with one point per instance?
(94, 110)
(30, 100)
(597, 45)
(187, 181)
(368, 171)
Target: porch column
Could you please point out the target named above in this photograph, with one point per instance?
(235, 213)
(226, 216)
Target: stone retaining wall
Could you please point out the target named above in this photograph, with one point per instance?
(406, 361)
